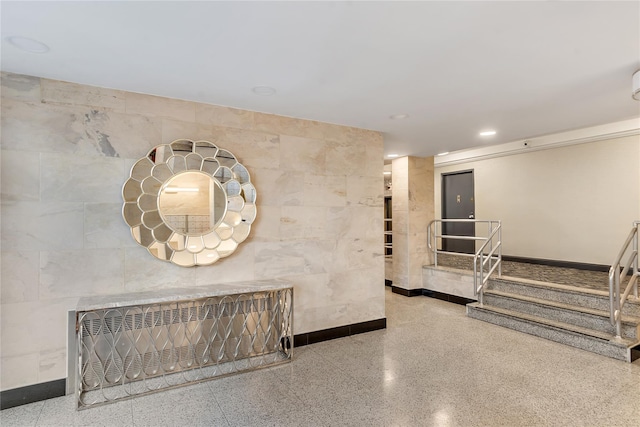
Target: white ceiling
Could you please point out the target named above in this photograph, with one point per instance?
(522, 68)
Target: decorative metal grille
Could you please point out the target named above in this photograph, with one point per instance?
(135, 350)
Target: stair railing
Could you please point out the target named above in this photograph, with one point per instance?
(618, 273)
(489, 261)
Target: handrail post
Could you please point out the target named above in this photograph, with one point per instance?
(500, 248)
(635, 267)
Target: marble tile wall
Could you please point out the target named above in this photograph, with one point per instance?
(67, 150)
(412, 209)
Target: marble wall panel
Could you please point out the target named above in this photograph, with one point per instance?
(278, 259)
(366, 222)
(345, 159)
(278, 188)
(52, 364)
(175, 129)
(448, 282)
(44, 128)
(58, 92)
(15, 371)
(34, 326)
(255, 150)
(80, 130)
(156, 106)
(303, 222)
(20, 175)
(19, 87)
(105, 228)
(236, 268)
(224, 116)
(373, 155)
(42, 225)
(122, 135)
(143, 272)
(81, 273)
(302, 154)
(266, 227)
(72, 178)
(317, 254)
(365, 191)
(311, 291)
(360, 253)
(322, 190)
(20, 275)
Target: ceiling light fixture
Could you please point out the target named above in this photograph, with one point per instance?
(443, 154)
(636, 86)
(488, 133)
(398, 116)
(27, 44)
(263, 90)
(386, 173)
(392, 156)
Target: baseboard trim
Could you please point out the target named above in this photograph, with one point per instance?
(447, 297)
(32, 393)
(406, 292)
(558, 263)
(431, 294)
(388, 282)
(300, 340)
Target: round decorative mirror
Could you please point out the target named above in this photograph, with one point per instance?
(189, 202)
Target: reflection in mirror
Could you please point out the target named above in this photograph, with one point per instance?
(192, 203)
(226, 158)
(189, 203)
(206, 149)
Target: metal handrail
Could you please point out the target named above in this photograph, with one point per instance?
(617, 273)
(480, 259)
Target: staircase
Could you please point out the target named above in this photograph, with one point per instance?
(570, 315)
(587, 310)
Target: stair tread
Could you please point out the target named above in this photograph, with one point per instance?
(555, 304)
(559, 325)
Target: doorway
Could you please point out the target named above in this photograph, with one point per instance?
(458, 203)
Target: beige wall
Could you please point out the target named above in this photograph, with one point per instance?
(573, 203)
(66, 152)
(412, 200)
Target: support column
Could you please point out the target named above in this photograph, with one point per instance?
(413, 208)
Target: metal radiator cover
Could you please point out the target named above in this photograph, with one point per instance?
(136, 350)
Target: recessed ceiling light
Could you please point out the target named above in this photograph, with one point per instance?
(488, 133)
(386, 173)
(399, 116)
(443, 154)
(391, 156)
(264, 90)
(27, 44)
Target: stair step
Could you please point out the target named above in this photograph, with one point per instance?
(565, 333)
(562, 312)
(571, 295)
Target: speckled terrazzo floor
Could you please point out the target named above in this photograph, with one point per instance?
(432, 366)
(543, 273)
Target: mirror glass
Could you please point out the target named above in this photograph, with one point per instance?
(192, 203)
(189, 202)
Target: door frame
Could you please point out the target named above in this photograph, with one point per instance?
(442, 196)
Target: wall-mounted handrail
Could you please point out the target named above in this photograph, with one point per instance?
(618, 273)
(492, 260)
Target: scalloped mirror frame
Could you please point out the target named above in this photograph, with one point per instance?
(150, 176)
